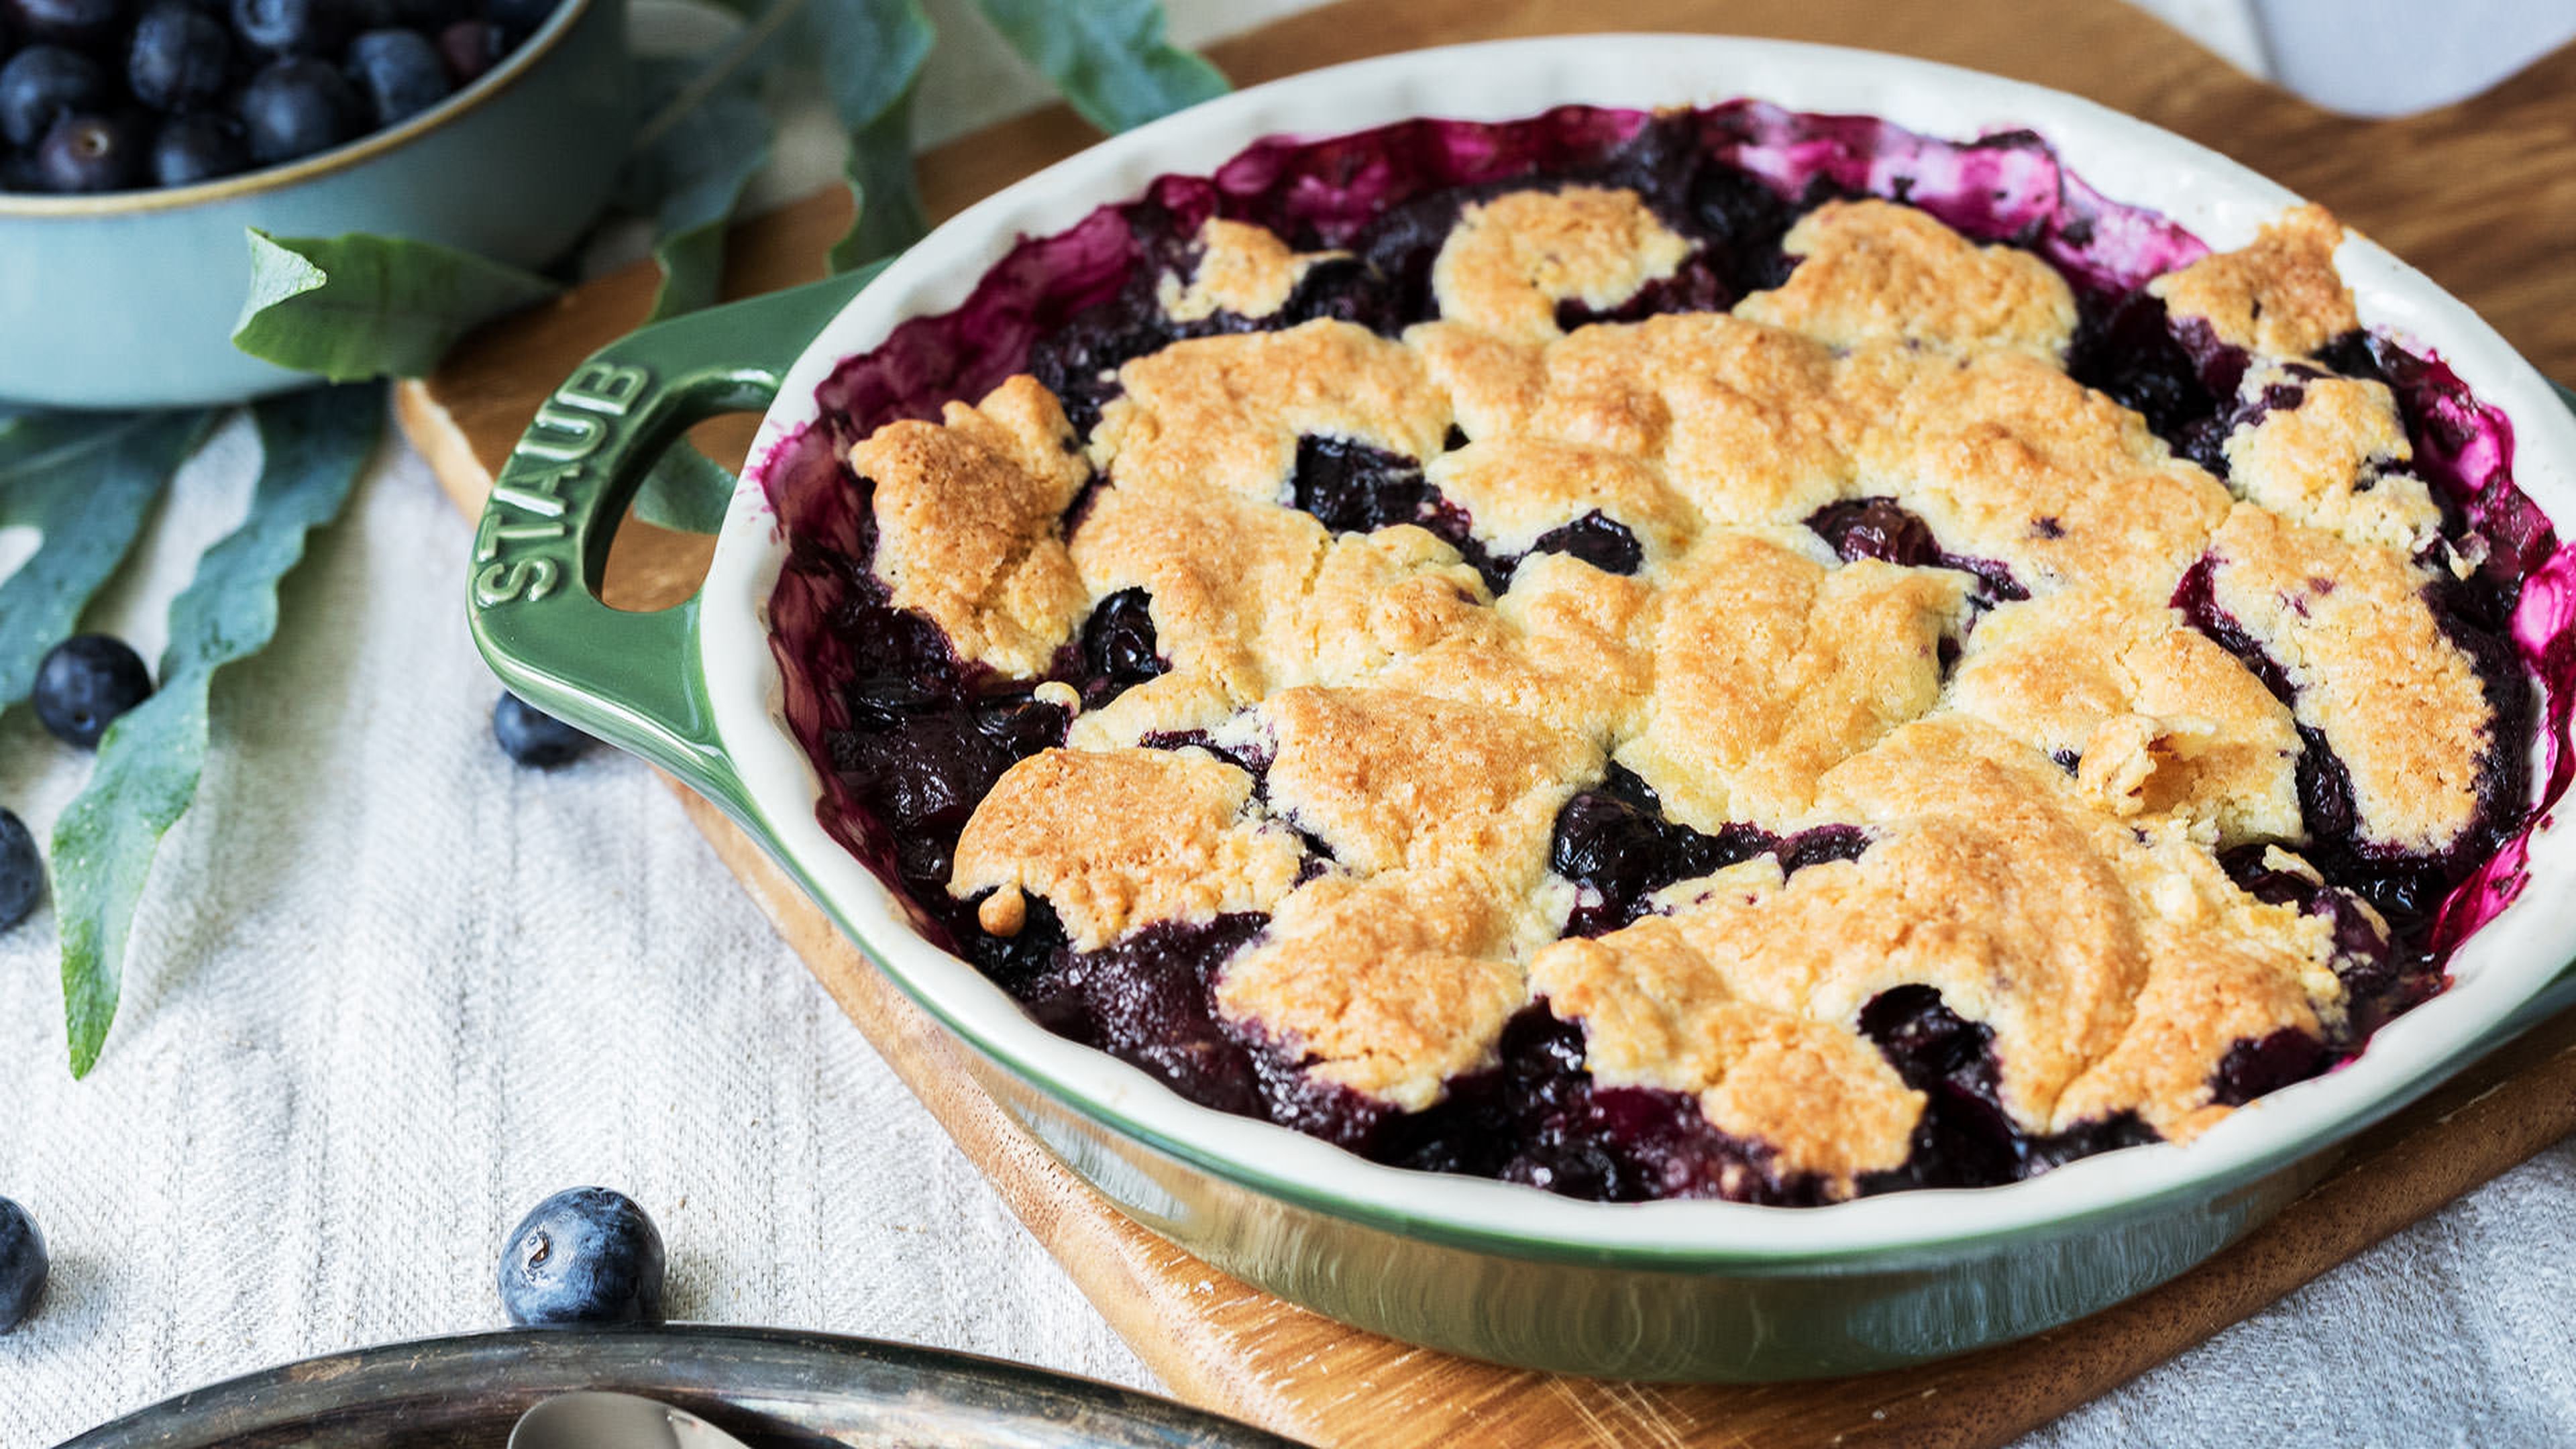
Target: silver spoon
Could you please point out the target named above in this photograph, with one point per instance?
(615, 1421)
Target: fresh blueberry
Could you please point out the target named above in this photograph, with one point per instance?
(23, 1265)
(398, 73)
(42, 84)
(79, 22)
(585, 1255)
(295, 107)
(470, 48)
(195, 148)
(289, 27)
(180, 59)
(22, 872)
(84, 683)
(533, 737)
(84, 154)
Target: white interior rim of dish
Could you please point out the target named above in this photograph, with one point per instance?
(2496, 973)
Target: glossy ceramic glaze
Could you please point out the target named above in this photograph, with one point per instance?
(129, 300)
(767, 1387)
(1679, 1290)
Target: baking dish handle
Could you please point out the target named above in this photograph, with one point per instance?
(541, 548)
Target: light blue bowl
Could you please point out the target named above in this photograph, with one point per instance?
(129, 300)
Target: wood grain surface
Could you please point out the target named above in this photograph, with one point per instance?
(2482, 196)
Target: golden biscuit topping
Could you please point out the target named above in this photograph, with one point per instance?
(2037, 755)
(1223, 414)
(1771, 668)
(2279, 297)
(967, 512)
(2326, 461)
(2156, 718)
(1119, 840)
(2373, 671)
(1874, 271)
(1241, 269)
(1511, 260)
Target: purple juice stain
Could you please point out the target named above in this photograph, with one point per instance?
(908, 737)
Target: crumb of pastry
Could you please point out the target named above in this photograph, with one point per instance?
(1389, 986)
(1517, 488)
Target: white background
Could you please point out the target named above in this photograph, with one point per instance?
(388, 991)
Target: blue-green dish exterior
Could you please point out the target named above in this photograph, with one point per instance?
(130, 300)
(1644, 1312)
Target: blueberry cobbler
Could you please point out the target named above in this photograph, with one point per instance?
(1708, 654)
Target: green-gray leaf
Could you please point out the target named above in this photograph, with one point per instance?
(363, 306)
(86, 482)
(687, 491)
(315, 443)
(877, 50)
(1108, 57)
(695, 168)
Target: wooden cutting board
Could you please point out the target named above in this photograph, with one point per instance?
(2482, 196)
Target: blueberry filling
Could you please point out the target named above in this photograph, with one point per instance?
(1115, 651)
(1354, 488)
(1614, 842)
(1883, 529)
(1965, 1138)
(1597, 539)
(1538, 1118)
(2125, 347)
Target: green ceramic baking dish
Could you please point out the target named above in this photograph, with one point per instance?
(129, 300)
(1668, 1290)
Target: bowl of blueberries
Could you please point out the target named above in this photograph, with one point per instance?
(141, 139)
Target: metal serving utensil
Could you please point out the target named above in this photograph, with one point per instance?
(615, 1421)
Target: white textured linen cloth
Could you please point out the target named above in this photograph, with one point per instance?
(387, 991)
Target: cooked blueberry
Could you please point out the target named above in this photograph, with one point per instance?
(180, 58)
(398, 74)
(289, 27)
(84, 683)
(296, 107)
(533, 737)
(22, 871)
(190, 149)
(1354, 488)
(23, 1265)
(79, 22)
(88, 154)
(1597, 539)
(584, 1255)
(42, 84)
(471, 48)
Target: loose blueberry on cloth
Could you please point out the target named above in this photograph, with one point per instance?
(584, 1255)
(23, 1265)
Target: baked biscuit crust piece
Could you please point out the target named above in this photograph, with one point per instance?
(2279, 297)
